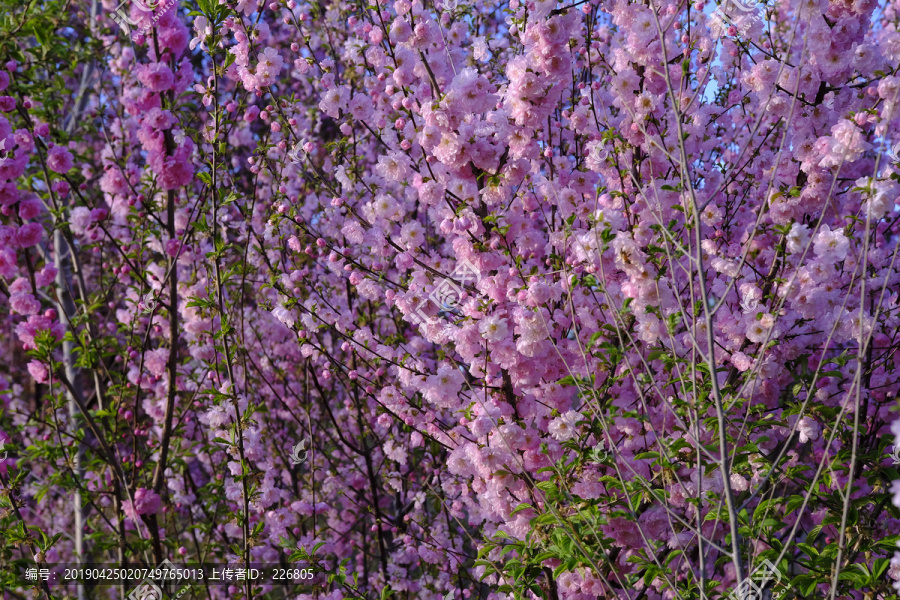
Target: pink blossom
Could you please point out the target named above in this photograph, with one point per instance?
(564, 427)
(38, 371)
(741, 361)
(251, 114)
(30, 208)
(443, 387)
(203, 29)
(269, 66)
(159, 119)
(12, 166)
(27, 330)
(739, 483)
(24, 140)
(158, 77)
(333, 101)
(29, 235)
(155, 361)
(175, 171)
(7, 262)
(24, 303)
(59, 160)
(145, 502)
(830, 246)
(493, 328)
(61, 188)
(9, 194)
(809, 429)
(46, 276)
(798, 238)
(173, 34)
(80, 219)
(113, 182)
(845, 145)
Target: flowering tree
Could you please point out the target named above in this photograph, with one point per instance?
(487, 300)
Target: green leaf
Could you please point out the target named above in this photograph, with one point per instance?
(879, 567)
(545, 519)
(656, 355)
(520, 508)
(646, 455)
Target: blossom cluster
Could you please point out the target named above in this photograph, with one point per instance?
(684, 247)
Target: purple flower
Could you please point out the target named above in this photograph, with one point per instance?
(251, 114)
(38, 370)
(29, 208)
(59, 160)
(157, 77)
(145, 502)
(29, 235)
(809, 429)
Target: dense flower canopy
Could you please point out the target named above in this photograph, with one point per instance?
(500, 300)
